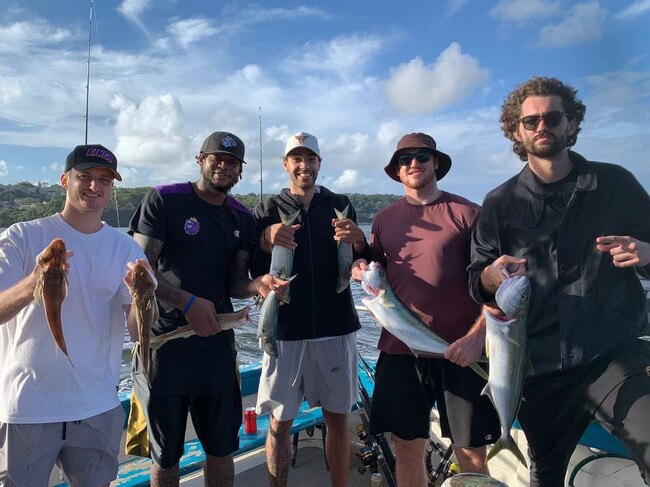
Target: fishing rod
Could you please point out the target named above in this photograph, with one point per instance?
(90, 24)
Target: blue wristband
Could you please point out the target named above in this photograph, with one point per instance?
(189, 304)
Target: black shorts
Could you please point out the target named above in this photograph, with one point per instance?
(201, 380)
(406, 388)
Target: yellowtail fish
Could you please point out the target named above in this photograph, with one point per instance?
(282, 257)
(345, 256)
(267, 327)
(145, 308)
(506, 348)
(400, 321)
(52, 288)
(227, 321)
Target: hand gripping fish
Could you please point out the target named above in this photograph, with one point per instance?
(227, 321)
(145, 309)
(282, 257)
(52, 288)
(400, 321)
(345, 256)
(506, 349)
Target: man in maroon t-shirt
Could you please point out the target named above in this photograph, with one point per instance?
(423, 240)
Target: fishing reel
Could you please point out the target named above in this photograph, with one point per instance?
(368, 458)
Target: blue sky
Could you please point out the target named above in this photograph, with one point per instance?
(357, 74)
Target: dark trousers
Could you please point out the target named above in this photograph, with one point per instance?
(557, 409)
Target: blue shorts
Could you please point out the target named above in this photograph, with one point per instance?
(190, 376)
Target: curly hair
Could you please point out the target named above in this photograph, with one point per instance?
(539, 86)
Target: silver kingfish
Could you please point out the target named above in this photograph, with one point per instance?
(391, 313)
(506, 350)
(282, 257)
(345, 256)
(267, 328)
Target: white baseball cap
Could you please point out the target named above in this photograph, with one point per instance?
(302, 139)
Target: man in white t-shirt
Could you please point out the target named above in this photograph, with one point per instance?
(53, 408)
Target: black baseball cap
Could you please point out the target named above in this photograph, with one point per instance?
(88, 156)
(224, 143)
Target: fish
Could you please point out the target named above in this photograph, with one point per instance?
(267, 328)
(400, 321)
(345, 256)
(145, 309)
(52, 288)
(227, 321)
(282, 257)
(507, 355)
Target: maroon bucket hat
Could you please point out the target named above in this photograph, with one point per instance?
(418, 141)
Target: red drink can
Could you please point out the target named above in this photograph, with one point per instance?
(250, 421)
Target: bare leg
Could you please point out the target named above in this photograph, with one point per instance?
(471, 459)
(278, 451)
(410, 467)
(337, 447)
(219, 471)
(164, 477)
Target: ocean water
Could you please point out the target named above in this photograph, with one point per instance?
(248, 350)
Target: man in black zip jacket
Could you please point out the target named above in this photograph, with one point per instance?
(316, 330)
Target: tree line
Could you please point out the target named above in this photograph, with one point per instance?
(27, 201)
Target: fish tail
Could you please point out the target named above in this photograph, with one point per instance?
(479, 370)
(289, 219)
(53, 316)
(342, 215)
(507, 444)
(343, 282)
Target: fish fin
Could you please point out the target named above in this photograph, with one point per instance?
(289, 219)
(487, 391)
(487, 347)
(508, 444)
(38, 291)
(65, 286)
(479, 370)
(342, 215)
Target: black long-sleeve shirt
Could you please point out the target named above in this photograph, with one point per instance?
(582, 305)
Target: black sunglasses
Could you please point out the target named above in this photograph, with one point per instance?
(420, 156)
(551, 120)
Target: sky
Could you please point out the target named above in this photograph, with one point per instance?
(357, 74)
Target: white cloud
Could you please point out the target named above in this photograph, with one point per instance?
(3, 168)
(132, 9)
(414, 88)
(344, 56)
(583, 24)
(188, 31)
(521, 11)
(349, 180)
(151, 137)
(635, 10)
(26, 34)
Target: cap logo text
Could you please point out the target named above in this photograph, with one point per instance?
(102, 154)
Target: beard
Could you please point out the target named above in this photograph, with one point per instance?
(555, 145)
(217, 188)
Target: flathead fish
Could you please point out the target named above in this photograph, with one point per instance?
(145, 309)
(400, 321)
(282, 257)
(267, 328)
(506, 348)
(52, 288)
(227, 321)
(345, 256)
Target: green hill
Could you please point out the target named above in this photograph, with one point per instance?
(26, 201)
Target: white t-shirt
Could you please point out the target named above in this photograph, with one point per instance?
(37, 382)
